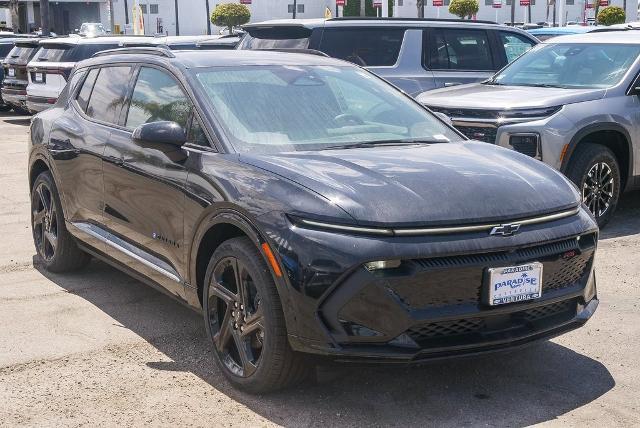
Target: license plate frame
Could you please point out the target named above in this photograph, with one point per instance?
(38, 77)
(11, 72)
(511, 284)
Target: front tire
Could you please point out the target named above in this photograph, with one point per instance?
(55, 246)
(595, 170)
(245, 321)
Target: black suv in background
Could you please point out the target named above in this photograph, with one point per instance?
(304, 205)
(416, 55)
(14, 66)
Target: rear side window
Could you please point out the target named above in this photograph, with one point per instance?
(514, 44)
(21, 53)
(363, 46)
(53, 53)
(82, 52)
(85, 91)
(455, 49)
(156, 97)
(5, 48)
(109, 93)
(277, 38)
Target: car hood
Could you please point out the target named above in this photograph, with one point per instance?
(447, 183)
(493, 97)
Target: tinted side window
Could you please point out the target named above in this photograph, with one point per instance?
(196, 133)
(366, 47)
(157, 97)
(514, 44)
(109, 93)
(85, 91)
(454, 49)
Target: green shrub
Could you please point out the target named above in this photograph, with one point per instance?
(464, 8)
(230, 15)
(611, 15)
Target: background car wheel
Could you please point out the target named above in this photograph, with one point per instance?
(245, 322)
(594, 169)
(54, 244)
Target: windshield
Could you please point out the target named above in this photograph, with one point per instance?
(269, 109)
(570, 65)
(21, 52)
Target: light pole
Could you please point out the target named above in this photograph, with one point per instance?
(295, 8)
(208, 18)
(177, 18)
(513, 11)
(44, 18)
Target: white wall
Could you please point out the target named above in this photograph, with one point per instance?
(193, 13)
(538, 11)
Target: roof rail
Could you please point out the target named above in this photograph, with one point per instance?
(297, 50)
(159, 50)
(373, 18)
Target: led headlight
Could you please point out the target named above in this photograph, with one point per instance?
(382, 264)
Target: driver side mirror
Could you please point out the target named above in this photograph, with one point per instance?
(160, 133)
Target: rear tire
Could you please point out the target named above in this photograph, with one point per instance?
(595, 170)
(55, 246)
(242, 310)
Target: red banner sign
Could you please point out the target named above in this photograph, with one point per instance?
(497, 4)
(245, 1)
(340, 2)
(377, 4)
(525, 2)
(438, 3)
(604, 3)
(589, 5)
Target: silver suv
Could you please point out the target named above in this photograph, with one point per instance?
(416, 55)
(572, 102)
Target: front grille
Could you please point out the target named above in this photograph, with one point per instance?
(458, 280)
(466, 328)
(480, 133)
(467, 113)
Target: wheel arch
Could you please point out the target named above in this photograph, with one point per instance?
(37, 167)
(213, 230)
(611, 135)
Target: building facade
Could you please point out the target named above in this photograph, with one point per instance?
(572, 10)
(190, 16)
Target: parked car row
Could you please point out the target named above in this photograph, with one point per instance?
(37, 69)
(305, 205)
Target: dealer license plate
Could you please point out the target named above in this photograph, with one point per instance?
(514, 283)
(39, 77)
(12, 72)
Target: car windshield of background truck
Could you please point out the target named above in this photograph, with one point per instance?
(294, 108)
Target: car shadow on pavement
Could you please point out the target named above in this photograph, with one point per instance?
(523, 387)
(15, 118)
(625, 221)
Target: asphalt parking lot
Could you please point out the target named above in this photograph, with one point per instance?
(100, 348)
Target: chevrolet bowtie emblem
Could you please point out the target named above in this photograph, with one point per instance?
(505, 229)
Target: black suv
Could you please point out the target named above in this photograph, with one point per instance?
(416, 55)
(305, 205)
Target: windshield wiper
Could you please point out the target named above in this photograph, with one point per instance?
(541, 85)
(383, 143)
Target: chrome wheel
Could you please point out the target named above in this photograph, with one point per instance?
(45, 221)
(598, 189)
(236, 317)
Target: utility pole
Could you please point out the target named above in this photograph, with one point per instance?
(513, 12)
(126, 14)
(295, 8)
(15, 16)
(208, 18)
(529, 11)
(177, 18)
(111, 17)
(44, 18)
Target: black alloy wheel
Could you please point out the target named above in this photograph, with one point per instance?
(245, 321)
(45, 221)
(56, 247)
(235, 317)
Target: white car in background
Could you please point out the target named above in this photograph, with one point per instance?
(50, 68)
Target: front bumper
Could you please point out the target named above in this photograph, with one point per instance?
(432, 306)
